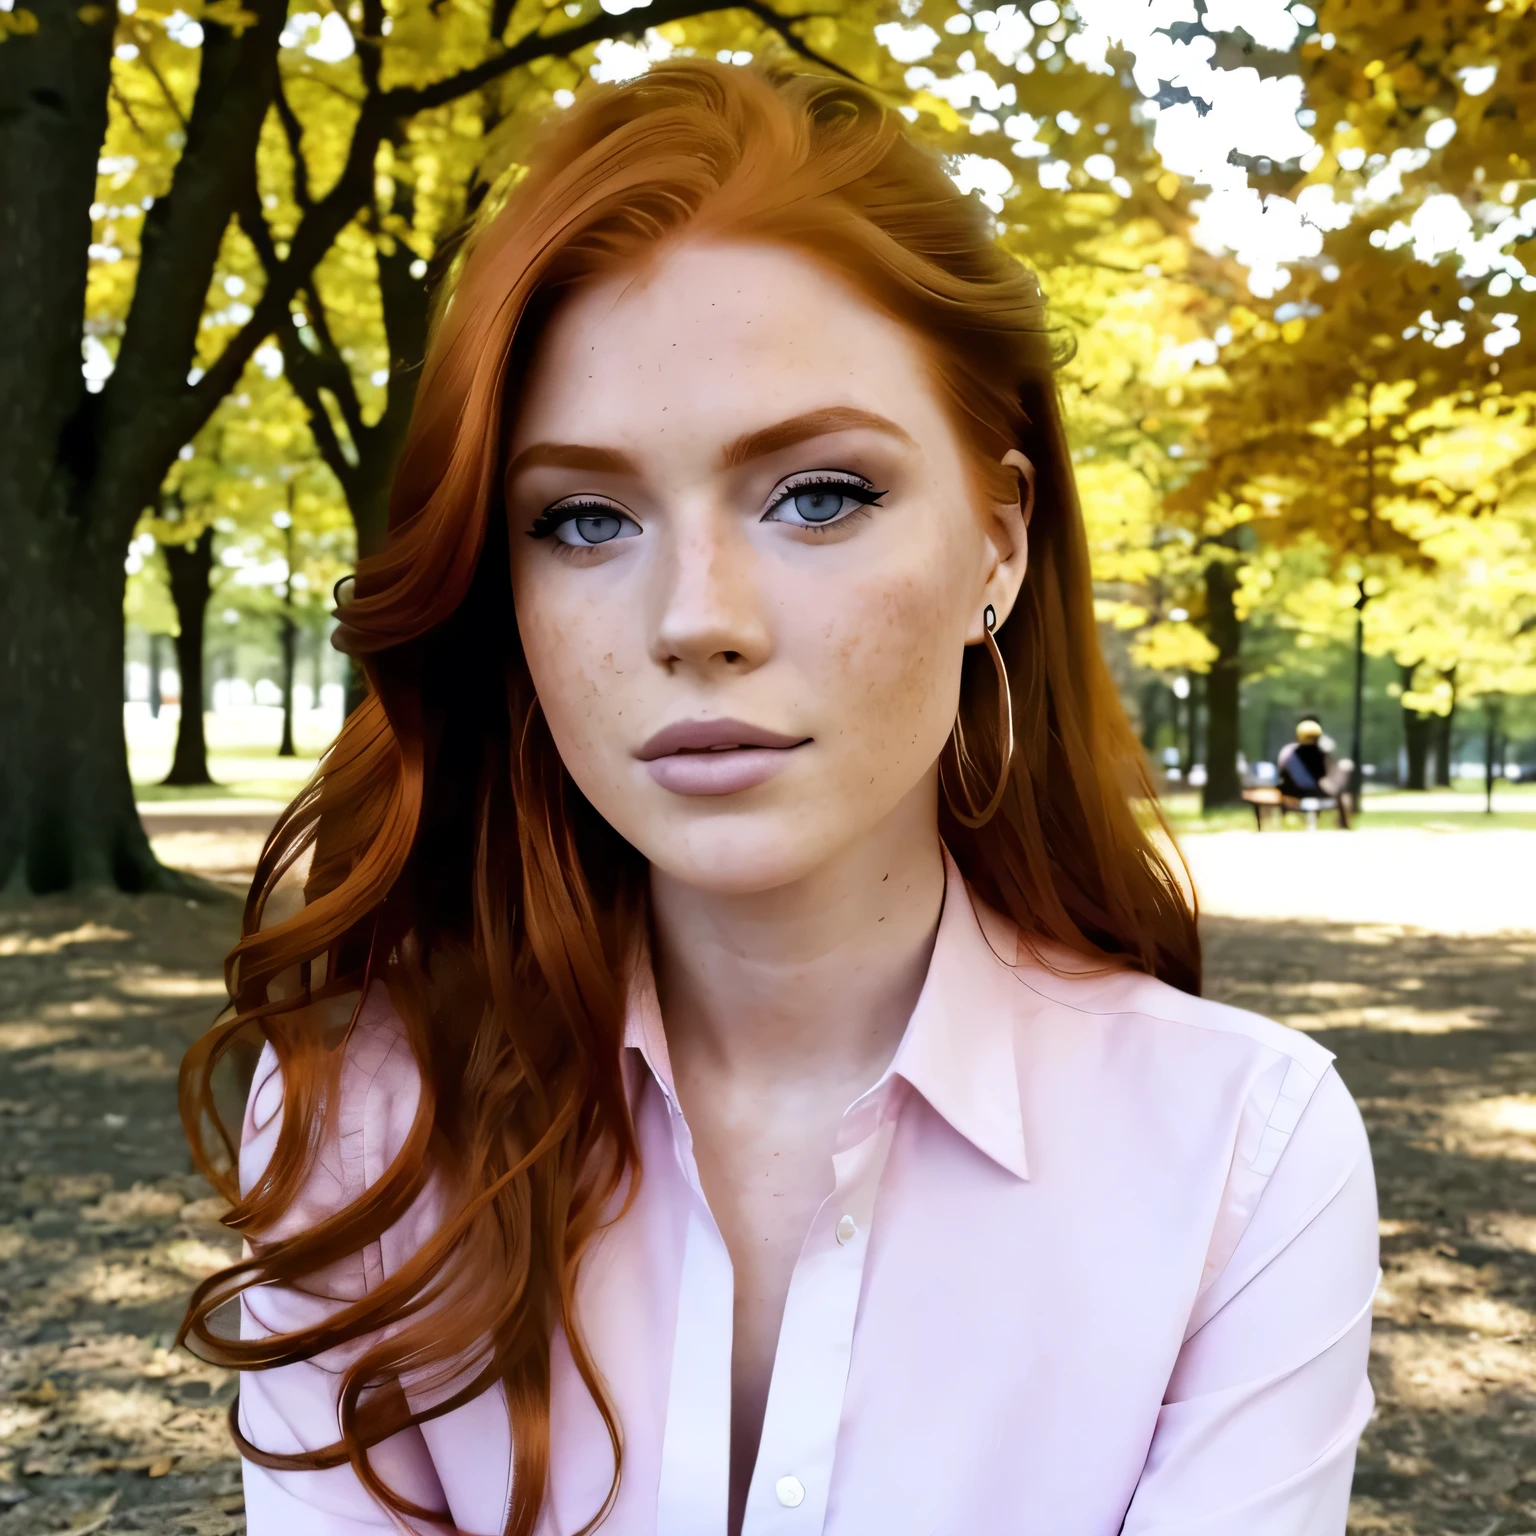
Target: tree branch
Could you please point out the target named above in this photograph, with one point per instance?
(405, 101)
(293, 131)
(304, 377)
(338, 375)
(329, 370)
(180, 247)
(165, 90)
(501, 15)
(783, 25)
(369, 57)
(127, 106)
(317, 232)
(324, 221)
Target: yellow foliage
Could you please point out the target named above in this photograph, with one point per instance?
(1167, 647)
(945, 115)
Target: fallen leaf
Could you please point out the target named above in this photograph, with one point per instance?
(93, 1519)
(161, 1467)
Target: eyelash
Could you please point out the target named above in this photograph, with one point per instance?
(563, 511)
(854, 486)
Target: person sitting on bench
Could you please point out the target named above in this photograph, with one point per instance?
(1304, 765)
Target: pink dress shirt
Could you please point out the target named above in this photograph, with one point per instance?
(1099, 1258)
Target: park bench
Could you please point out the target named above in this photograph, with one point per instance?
(1267, 799)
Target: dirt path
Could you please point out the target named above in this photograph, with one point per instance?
(103, 1228)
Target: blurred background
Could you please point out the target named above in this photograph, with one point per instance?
(1289, 250)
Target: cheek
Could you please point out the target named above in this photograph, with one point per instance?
(893, 669)
(572, 664)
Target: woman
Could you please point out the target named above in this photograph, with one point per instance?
(739, 1063)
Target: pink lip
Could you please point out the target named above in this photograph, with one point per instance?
(715, 757)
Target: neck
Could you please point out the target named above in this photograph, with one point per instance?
(815, 979)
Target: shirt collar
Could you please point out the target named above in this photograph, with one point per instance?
(958, 1048)
(958, 1051)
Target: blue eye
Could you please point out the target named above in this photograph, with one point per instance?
(596, 529)
(583, 525)
(821, 501)
(819, 506)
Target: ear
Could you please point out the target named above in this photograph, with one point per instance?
(1008, 546)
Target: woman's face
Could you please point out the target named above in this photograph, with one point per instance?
(747, 558)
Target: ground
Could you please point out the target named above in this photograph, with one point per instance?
(104, 1426)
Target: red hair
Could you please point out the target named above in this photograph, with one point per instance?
(454, 860)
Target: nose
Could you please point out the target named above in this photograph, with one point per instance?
(709, 613)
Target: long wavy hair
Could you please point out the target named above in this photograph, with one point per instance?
(452, 859)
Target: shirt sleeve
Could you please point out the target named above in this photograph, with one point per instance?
(1258, 1428)
(293, 1408)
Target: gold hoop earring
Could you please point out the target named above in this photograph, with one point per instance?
(963, 808)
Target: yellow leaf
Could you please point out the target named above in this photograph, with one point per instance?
(91, 14)
(162, 1466)
(1168, 185)
(20, 22)
(1168, 647)
(231, 14)
(1293, 330)
(949, 119)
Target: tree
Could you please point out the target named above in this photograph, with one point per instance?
(190, 570)
(1399, 212)
(165, 114)
(253, 462)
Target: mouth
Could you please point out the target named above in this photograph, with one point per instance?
(716, 757)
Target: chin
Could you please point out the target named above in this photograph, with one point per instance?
(741, 853)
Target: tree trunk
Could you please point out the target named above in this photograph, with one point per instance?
(1357, 726)
(191, 576)
(1444, 743)
(69, 818)
(285, 747)
(67, 815)
(1416, 731)
(1491, 752)
(1223, 786)
(77, 468)
(1198, 750)
(155, 665)
(288, 636)
(1151, 696)
(317, 665)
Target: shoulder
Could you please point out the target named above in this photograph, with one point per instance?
(1060, 1000)
(1179, 1101)
(1193, 1031)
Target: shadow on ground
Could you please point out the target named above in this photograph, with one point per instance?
(103, 1228)
(1435, 1038)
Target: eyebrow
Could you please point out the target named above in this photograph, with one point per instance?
(799, 429)
(749, 446)
(601, 461)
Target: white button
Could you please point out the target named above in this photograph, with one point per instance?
(791, 1491)
(847, 1230)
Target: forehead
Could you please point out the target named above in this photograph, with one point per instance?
(710, 340)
